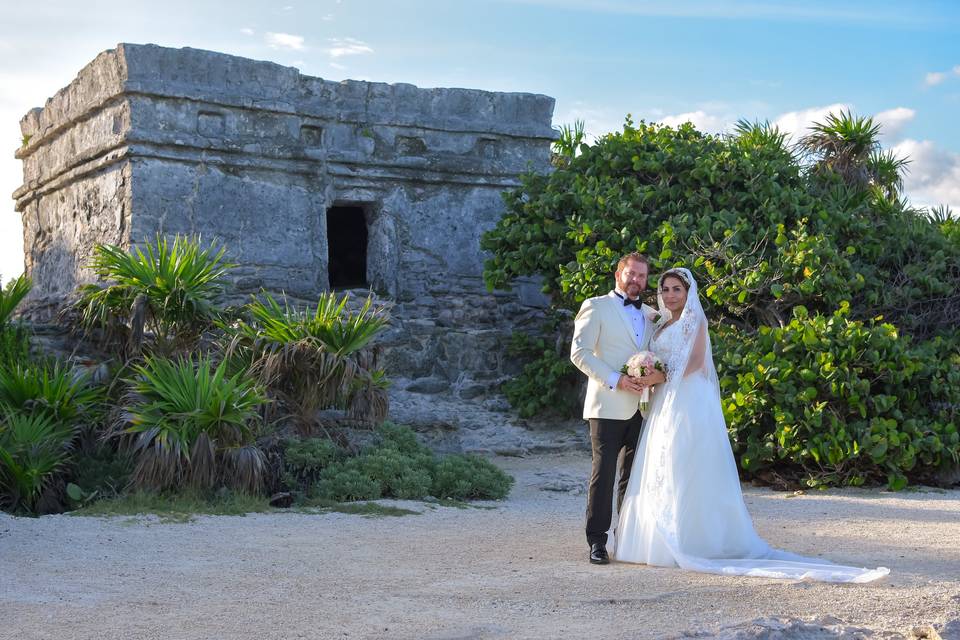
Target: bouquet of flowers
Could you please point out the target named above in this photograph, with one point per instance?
(639, 365)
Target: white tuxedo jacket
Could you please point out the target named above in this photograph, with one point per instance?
(603, 341)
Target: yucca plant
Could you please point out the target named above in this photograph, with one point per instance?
(167, 289)
(53, 389)
(191, 423)
(33, 449)
(315, 359)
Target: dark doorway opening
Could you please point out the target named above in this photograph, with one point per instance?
(346, 247)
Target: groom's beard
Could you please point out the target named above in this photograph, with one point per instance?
(632, 290)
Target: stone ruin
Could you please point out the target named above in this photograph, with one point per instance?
(311, 185)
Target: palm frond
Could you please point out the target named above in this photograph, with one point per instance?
(11, 295)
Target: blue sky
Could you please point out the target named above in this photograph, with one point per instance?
(710, 62)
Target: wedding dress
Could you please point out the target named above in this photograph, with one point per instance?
(683, 505)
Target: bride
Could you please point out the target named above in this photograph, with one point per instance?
(683, 505)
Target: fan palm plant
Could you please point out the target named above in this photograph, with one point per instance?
(848, 146)
(168, 289)
(191, 423)
(33, 449)
(315, 359)
(44, 407)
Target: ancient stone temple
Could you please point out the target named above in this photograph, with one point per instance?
(310, 184)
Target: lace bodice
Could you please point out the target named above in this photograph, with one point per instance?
(672, 344)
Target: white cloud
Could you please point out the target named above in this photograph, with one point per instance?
(934, 78)
(597, 121)
(247, 31)
(347, 47)
(338, 66)
(796, 123)
(933, 175)
(892, 122)
(703, 121)
(327, 18)
(956, 70)
(284, 41)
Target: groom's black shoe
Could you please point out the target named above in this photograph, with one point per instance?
(598, 554)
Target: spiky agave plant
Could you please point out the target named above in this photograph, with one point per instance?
(34, 447)
(168, 289)
(191, 423)
(315, 359)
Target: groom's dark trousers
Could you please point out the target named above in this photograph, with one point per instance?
(607, 438)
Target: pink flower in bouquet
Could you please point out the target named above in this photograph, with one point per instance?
(642, 364)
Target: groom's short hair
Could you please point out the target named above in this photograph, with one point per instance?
(635, 255)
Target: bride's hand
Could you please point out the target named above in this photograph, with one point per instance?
(652, 379)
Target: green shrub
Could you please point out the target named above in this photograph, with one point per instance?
(305, 459)
(102, 471)
(191, 423)
(398, 466)
(466, 477)
(34, 448)
(549, 383)
(399, 475)
(831, 400)
(345, 482)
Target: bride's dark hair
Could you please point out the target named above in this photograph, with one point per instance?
(673, 273)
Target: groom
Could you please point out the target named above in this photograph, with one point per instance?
(607, 331)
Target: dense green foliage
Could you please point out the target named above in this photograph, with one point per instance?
(840, 400)
(767, 229)
(395, 466)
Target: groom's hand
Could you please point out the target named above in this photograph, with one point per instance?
(652, 379)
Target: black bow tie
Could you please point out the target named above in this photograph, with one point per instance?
(627, 302)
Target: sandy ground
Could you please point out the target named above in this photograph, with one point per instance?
(516, 570)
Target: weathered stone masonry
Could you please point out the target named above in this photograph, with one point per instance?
(153, 140)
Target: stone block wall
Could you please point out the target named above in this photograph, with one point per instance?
(151, 140)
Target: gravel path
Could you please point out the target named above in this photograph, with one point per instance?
(515, 570)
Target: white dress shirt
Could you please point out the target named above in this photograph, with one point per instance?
(638, 322)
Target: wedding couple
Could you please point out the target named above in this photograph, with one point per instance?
(679, 498)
